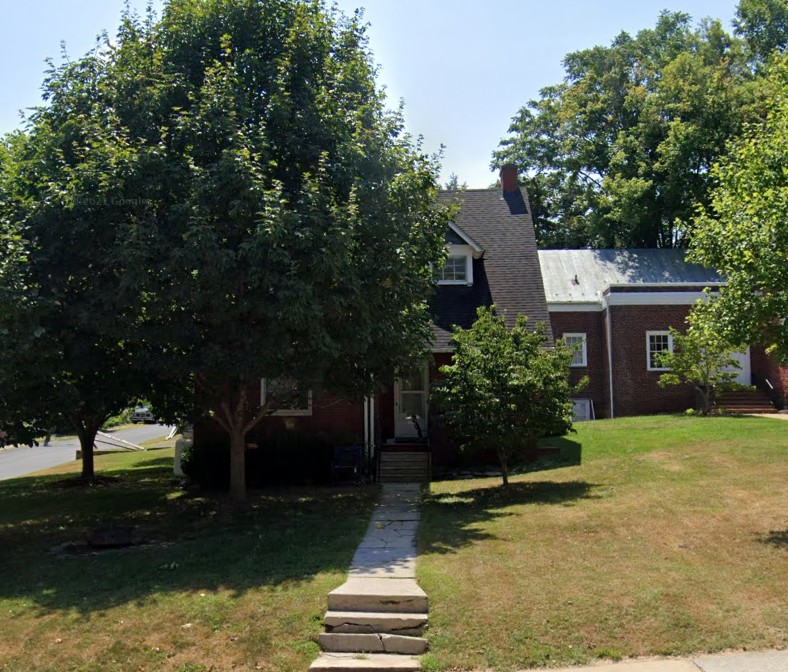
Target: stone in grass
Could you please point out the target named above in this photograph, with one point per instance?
(111, 536)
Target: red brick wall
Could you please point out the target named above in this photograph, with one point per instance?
(635, 389)
(330, 415)
(592, 324)
(767, 366)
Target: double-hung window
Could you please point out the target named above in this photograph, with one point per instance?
(577, 342)
(657, 342)
(455, 269)
(288, 399)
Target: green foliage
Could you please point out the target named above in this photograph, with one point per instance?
(743, 232)
(226, 192)
(122, 418)
(763, 24)
(701, 357)
(619, 153)
(65, 304)
(453, 183)
(505, 389)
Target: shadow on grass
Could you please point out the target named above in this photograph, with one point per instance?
(190, 543)
(455, 519)
(554, 452)
(777, 538)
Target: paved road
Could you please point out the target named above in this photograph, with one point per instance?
(16, 462)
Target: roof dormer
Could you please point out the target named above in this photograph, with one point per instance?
(462, 250)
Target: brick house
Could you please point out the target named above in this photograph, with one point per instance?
(617, 306)
(492, 259)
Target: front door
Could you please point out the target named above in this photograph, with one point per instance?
(410, 403)
(743, 374)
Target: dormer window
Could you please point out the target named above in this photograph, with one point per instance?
(462, 250)
(455, 269)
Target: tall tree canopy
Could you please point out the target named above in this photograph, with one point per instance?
(64, 301)
(743, 232)
(236, 201)
(299, 238)
(619, 153)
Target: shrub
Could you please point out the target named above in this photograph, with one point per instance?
(282, 457)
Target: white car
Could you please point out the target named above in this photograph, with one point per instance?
(142, 414)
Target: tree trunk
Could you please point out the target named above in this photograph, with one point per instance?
(238, 464)
(87, 437)
(705, 396)
(504, 468)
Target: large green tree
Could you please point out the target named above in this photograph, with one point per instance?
(504, 389)
(763, 24)
(295, 225)
(64, 301)
(619, 153)
(743, 232)
(219, 197)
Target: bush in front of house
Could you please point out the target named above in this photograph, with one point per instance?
(280, 458)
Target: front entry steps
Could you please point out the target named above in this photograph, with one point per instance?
(400, 466)
(744, 401)
(376, 619)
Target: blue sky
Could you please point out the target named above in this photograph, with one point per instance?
(463, 67)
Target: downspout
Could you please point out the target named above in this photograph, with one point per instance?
(366, 424)
(609, 324)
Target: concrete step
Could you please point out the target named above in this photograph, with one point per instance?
(371, 662)
(405, 457)
(411, 625)
(731, 408)
(379, 595)
(353, 642)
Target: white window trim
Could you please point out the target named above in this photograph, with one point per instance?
(583, 349)
(587, 404)
(286, 411)
(461, 251)
(649, 334)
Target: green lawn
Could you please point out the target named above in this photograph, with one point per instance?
(669, 538)
(209, 591)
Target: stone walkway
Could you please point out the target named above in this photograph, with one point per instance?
(376, 618)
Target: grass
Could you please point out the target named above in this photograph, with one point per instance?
(669, 538)
(207, 591)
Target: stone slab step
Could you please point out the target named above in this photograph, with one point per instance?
(352, 642)
(371, 622)
(370, 662)
(373, 594)
(399, 458)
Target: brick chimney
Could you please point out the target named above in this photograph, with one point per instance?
(509, 177)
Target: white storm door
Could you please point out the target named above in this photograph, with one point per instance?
(410, 400)
(743, 375)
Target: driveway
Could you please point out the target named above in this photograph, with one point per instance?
(16, 462)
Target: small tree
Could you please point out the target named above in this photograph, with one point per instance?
(505, 389)
(701, 358)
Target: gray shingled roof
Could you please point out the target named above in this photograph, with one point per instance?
(580, 276)
(506, 275)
